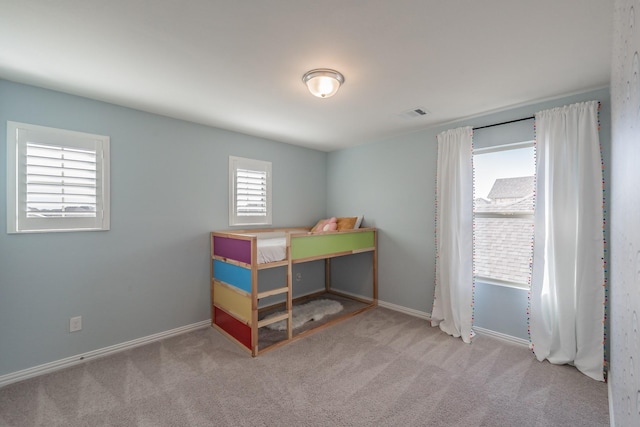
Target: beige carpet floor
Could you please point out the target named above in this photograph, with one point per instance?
(379, 368)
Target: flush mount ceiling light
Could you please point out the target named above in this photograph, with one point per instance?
(323, 82)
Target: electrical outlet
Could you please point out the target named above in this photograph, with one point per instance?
(298, 277)
(75, 324)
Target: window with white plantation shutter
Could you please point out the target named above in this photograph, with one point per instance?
(59, 180)
(249, 191)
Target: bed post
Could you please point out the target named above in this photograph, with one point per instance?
(375, 267)
(213, 318)
(289, 289)
(254, 296)
(327, 274)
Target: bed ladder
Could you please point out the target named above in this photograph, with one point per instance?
(256, 296)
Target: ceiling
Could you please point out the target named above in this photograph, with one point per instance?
(238, 64)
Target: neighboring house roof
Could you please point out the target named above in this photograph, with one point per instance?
(503, 248)
(511, 188)
(503, 245)
(481, 201)
(523, 205)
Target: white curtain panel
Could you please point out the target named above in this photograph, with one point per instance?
(567, 290)
(452, 309)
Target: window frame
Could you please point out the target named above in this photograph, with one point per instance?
(503, 214)
(236, 163)
(19, 136)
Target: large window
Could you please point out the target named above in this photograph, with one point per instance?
(57, 180)
(249, 191)
(504, 200)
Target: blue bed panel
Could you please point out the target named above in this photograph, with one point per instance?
(232, 275)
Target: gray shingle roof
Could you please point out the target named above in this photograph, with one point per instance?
(503, 244)
(511, 188)
(503, 248)
(523, 205)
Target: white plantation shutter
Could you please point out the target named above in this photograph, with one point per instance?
(61, 182)
(250, 191)
(58, 179)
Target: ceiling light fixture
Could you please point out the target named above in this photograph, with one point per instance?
(323, 82)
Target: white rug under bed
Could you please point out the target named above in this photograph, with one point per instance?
(303, 313)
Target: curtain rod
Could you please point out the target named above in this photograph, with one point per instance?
(505, 123)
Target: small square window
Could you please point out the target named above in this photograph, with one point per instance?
(249, 191)
(57, 180)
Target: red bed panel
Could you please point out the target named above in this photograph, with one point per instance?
(233, 327)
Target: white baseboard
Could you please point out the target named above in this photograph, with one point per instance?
(390, 306)
(427, 316)
(362, 297)
(410, 311)
(501, 336)
(612, 421)
(81, 358)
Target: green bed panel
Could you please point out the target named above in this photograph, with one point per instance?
(325, 244)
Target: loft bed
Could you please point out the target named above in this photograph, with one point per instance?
(237, 256)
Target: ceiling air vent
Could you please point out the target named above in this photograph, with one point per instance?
(414, 112)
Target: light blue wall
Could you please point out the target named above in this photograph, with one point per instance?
(392, 183)
(501, 309)
(150, 272)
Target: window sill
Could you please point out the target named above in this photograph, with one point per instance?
(493, 282)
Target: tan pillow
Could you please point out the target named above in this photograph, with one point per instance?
(318, 225)
(347, 223)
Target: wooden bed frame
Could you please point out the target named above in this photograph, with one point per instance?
(234, 278)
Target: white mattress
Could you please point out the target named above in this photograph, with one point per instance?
(272, 247)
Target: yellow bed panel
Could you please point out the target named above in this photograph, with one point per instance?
(231, 301)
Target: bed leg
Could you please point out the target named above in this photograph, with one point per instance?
(327, 274)
(289, 294)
